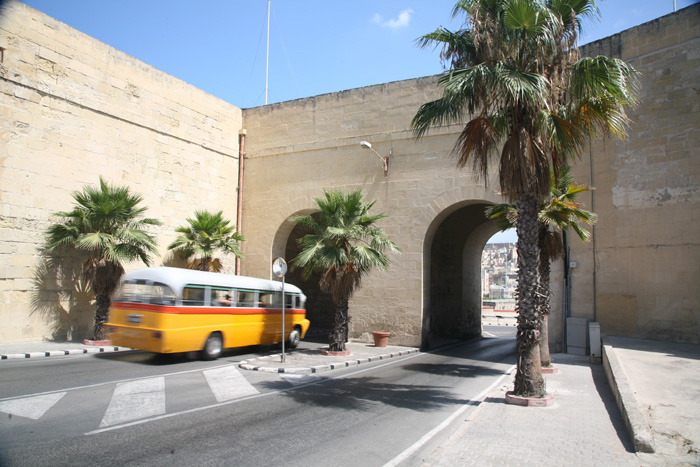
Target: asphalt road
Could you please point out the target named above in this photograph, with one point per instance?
(133, 408)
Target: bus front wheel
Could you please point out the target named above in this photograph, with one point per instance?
(212, 348)
(294, 338)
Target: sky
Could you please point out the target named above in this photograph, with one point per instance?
(316, 46)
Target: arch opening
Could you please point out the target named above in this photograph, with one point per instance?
(319, 306)
(452, 275)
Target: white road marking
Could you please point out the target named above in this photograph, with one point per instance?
(228, 383)
(428, 436)
(135, 400)
(255, 396)
(87, 386)
(488, 334)
(31, 407)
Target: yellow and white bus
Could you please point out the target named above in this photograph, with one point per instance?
(168, 310)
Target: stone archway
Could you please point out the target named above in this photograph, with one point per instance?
(319, 306)
(452, 275)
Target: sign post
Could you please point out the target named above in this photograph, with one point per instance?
(279, 269)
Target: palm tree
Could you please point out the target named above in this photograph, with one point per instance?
(560, 211)
(106, 223)
(205, 235)
(516, 79)
(343, 246)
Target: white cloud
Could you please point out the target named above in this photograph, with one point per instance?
(400, 21)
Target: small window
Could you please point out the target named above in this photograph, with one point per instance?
(193, 296)
(160, 294)
(132, 291)
(245, 298)
(271, 300)
(289, 301)
(221, 297)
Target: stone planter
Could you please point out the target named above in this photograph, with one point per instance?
(381, 339)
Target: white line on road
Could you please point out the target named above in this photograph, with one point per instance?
(255, 396)
(134, 400)
(428, 436)
(105, 383)
(228, 383)
(31, 407)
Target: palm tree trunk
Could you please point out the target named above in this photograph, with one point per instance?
(101, 314)
(528, 377)
(544, 298)
(339, 335)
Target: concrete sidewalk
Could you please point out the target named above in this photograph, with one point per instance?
(645, 396)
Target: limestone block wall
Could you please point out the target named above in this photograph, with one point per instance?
(295, 149)
(640, 276)
(73, 109)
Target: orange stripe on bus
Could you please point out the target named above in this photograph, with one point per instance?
(193, 310)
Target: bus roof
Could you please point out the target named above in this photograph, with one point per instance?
(178, 278)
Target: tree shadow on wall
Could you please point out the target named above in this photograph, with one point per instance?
(61, 297)
(173, 259)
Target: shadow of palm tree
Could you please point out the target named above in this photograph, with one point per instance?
(366, 393)
(455, 370)
(60, 297)
(173, 259)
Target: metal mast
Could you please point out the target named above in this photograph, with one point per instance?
(267, 61)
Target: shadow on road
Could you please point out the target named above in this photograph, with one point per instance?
(366, 393)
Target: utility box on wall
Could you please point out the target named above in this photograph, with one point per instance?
(577, 336)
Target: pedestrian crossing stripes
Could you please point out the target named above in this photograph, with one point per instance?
(228, 383)
(31, 407)
(134, 400)
(138, 399)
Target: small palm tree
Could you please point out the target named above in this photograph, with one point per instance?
(560, 211)
(345, 244)
(203, 237)
(106, 223)
(516, 79)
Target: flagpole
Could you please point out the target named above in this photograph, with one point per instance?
(267, 61)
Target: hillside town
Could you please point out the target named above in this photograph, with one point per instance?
(499, 271)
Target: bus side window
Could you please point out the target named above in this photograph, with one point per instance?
(161, 294)
(245, 299)
(193, 296)
(288, 301)
(221, 297)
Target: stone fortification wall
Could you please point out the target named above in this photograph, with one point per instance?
(295, 149)
(639, 276)
(72, 109)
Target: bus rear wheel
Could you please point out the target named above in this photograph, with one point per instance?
(213, 346)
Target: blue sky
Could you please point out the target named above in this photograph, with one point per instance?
(316, 46)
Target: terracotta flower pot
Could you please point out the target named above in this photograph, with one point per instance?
(380, 338)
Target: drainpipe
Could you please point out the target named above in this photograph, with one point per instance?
(595, 262)
(239, 198)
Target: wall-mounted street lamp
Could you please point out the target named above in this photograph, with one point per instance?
(385, 160)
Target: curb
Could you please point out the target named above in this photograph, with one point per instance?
(632, 414)
(246, 365)
(55, 353)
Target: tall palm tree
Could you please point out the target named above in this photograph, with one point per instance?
(559, 211)
(106, 223)
(204, 236)
(343, 246)
(516, 79)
